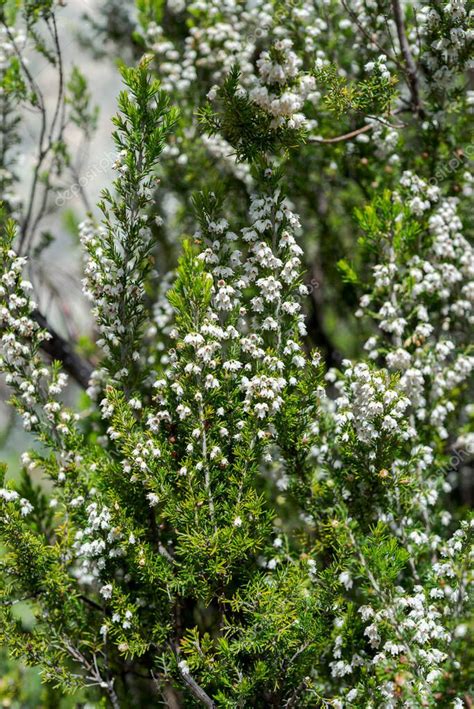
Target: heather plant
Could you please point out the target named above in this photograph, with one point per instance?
(245, 507)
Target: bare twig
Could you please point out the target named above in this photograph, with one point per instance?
(346, 136)
(60, 349)
(42, 151)
(15, 601)
(299, 652)
(362, 129)
(91, 603)
(411, 69)
(58, 117)
(370, 37)
(165, 553)
(94, 675)
(317, 332)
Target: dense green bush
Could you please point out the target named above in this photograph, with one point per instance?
(261, 497)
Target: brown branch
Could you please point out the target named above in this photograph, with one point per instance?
(346, 136)
(91, 603)
(317, 334)
(60, 349)
(362, 129)
(196, 690)
(411, 69)
(59, 114)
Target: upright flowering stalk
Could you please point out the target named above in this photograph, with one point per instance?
(169, 518)
(217, 405)
(120, 250)
(13, 89)
(38, 563)
(423, 307)
(36, 385)
(384, 439)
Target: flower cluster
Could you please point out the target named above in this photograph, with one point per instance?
(279, 81)
(370, 404)
(447, 35)
(12, 88)
(37, 387)
(424, 308)
(118, 252)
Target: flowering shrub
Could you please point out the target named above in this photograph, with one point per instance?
(246, 508)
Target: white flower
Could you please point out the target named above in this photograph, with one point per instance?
(153, 499)
(106, 591)
(184, 667)
(346, 580)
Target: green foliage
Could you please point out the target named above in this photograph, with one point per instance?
(223, 519)
(82, 114)
(373, 96)
(246, 127)
(191, 293)
(388, 223)
(140, 133)
(150, 11)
